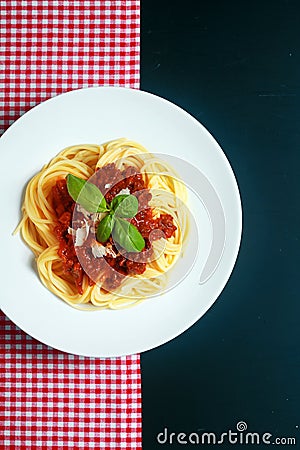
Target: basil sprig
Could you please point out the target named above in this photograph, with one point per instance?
(86, 194)
(128, 236)
(125, 205)
(105, 228)
(121, 207)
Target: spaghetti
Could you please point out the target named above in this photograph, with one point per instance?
(168, 198)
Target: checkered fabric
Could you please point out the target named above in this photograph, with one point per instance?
(49, 47)
(49, 399)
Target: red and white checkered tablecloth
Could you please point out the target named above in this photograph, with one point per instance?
(51, 46)
(50, 399)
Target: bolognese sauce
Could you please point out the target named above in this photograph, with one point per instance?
(110, 269)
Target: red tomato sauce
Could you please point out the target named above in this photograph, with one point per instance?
(108, 270)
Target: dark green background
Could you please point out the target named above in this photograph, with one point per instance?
(235, 66)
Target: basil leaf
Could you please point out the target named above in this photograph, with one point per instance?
(125, 205)
(86, 194)
(104, 228)
(127, 236)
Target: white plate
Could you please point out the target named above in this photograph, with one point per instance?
(96, 115)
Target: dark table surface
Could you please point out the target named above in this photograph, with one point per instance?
(235, 66)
